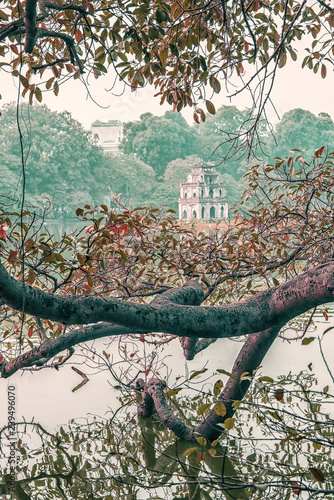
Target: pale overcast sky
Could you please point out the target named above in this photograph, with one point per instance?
(294, 88)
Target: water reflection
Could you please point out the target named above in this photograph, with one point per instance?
(276, 446)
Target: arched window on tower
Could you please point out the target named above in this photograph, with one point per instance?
(184, 216)
(203, 212)
(211, 193)
(185, 195)
(212, 213)
(222, 211)
(194, 214)
(220, 193)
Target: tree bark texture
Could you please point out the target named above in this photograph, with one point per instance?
(273, 307)
(248, 360)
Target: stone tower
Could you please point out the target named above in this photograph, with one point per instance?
(203, 196)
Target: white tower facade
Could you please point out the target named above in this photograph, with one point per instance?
(203, 195)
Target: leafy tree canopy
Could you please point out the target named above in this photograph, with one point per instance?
(159, 140)
(129, 176)
(184, 48)
(221, 135)
(61, 159)
(302, 130)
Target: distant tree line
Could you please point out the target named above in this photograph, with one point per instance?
(64, 165)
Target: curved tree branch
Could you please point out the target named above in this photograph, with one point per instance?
(249, 358)
(153, 398)
(273, 307)
(51, 347)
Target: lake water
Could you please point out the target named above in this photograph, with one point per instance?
(46, 395)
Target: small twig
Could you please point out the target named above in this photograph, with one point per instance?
(42, 32)
(324, 359)
(55, 6)
(85, 378)
(48, 65)
(41, 329)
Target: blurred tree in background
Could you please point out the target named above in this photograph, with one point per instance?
(158, 140)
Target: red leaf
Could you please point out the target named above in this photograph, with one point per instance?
(78, 36)
(295, 487)
(138, 231)
(323, 71)
(12, 256)
(317, 474)
(279, 394)
(1, 358)
(319, 152)
(30, 331)
(147, 371)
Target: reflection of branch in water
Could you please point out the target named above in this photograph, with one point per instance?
(85, 378)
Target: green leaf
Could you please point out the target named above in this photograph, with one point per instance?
(221, 370)
(197, 372)
(217, 387)
(252, 457)
(201, 441)
(229, 423)
(307, 340)
(220, 409)
(202, 409)
(266, 379)
(210, 107)
(172, 392)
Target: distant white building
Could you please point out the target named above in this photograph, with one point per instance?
(110, 135)
(203, 195)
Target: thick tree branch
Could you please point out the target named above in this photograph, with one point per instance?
(14, 28)
(273, 307)
(192, 346)
(249, 359)
(51, 347)
(30, 17)
(153, 398)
